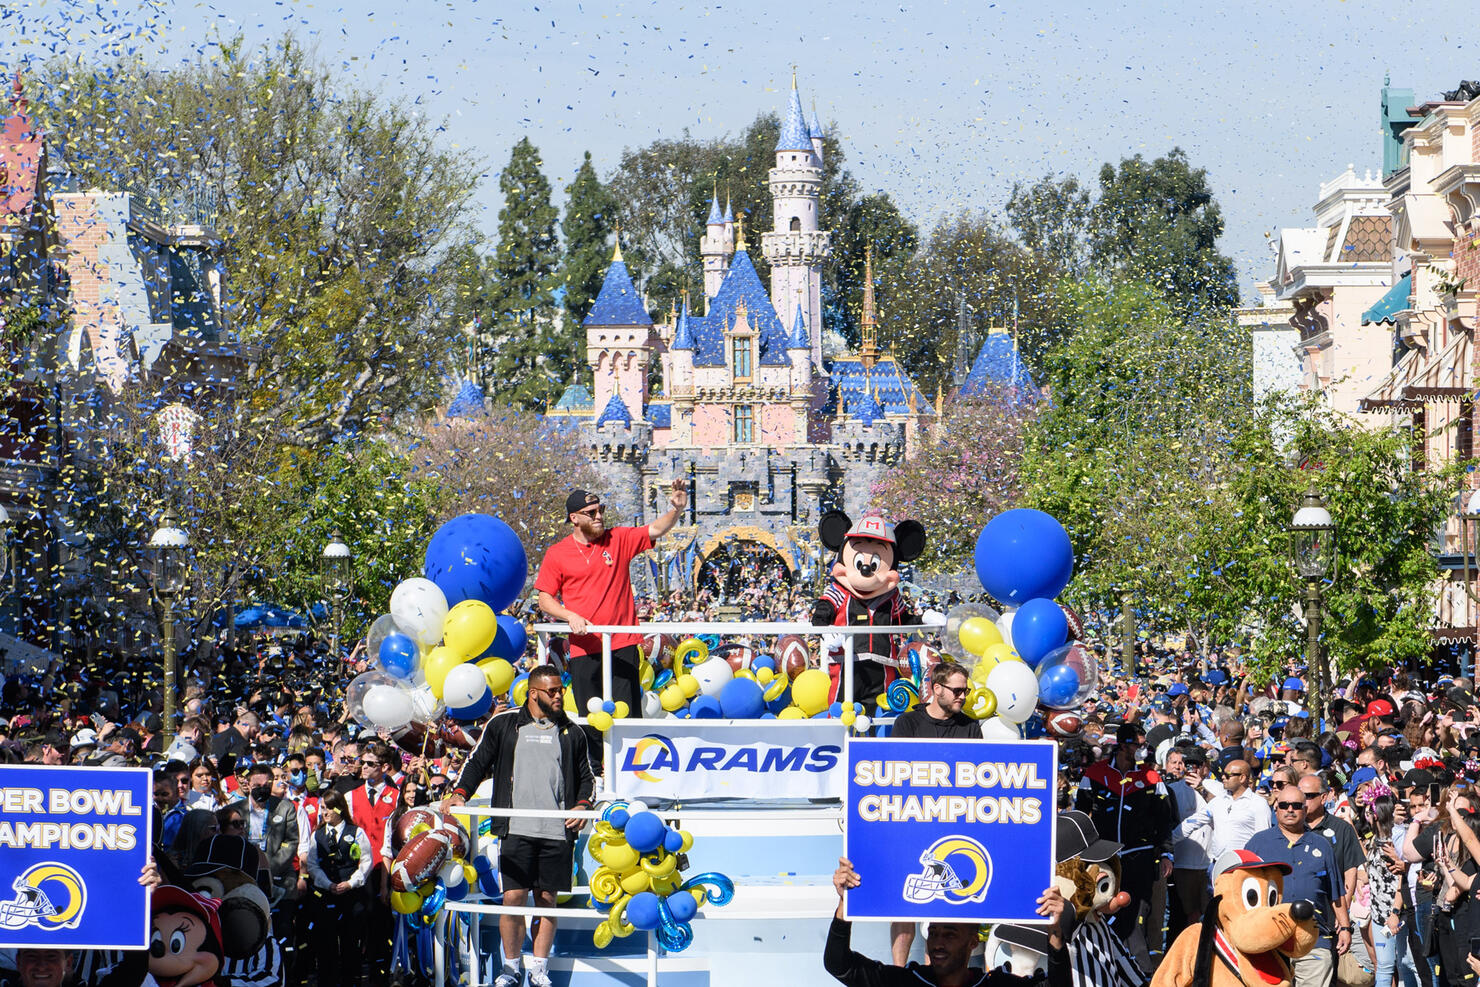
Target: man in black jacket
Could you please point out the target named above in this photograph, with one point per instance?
(949, 945)
(537, 759)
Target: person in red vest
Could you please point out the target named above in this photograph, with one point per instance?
(370, 805)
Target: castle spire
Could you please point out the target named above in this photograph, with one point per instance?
(868, 326)
(617, 253)
(740, 232)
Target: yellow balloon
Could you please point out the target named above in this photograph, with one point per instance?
(499, 673)
(980, 704)
(746, 673)
(469, 628)
(405, 902)
(646, 674)
(689, 653)
(623, 710)
(521, 692)
(977, 634)
(636, 881)
(672, 698)
(1001, 651)
(569, 702)
(689, 685)
(791, 713)
(848, 717)
(620, 856)
(602, 935)
(764, 676)
(600, 720)
(470, 874)
(809, 691)
(438, 662)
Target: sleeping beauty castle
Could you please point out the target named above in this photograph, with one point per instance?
(768, 432)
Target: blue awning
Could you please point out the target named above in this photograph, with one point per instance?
(1389, 305)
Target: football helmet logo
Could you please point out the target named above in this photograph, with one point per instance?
(49, 896)
(957, 870)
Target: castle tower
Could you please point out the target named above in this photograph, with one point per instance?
(796, 248)
(868, 330)
(799, 352)
(682, 369)
(717, 246)
(618, 330)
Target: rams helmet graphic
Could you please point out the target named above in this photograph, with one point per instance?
(49, 896)
(957, 870)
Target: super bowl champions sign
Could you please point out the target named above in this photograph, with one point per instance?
(73, 842)
(949, 830)
(674, 759)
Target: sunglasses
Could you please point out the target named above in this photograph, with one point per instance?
(370, 764)
(1290, 806)
(592, 512)
(232, 824)
(955, 691)
(1235, 774)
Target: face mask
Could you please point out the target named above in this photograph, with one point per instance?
(260, 793)
(298, 778)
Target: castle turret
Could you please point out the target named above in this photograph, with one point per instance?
(814, 131)
(796, 248)
(682, 368)
(618, 330)
(716, 247)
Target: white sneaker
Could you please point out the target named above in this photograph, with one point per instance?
(507, 979)
(539, 978)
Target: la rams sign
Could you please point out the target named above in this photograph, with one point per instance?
(949, 830)
(73, 842)
(719, 758)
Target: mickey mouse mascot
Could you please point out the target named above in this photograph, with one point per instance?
(865, 590)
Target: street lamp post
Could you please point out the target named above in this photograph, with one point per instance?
(337, 561)
(4, 545)
(1314, 547)
(1127, 634)
(1470, 514)
(169, 547)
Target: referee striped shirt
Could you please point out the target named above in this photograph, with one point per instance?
(1099, 958)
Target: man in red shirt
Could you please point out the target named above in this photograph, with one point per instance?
(584, 580)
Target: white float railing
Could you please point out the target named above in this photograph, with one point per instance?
(723, 628)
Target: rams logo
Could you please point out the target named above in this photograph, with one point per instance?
(958, 870)
(49, 896)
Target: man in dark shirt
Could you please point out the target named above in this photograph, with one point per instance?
(941, 715)
(949, 945)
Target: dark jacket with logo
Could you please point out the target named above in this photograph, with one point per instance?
(494, 758)
(338, 858)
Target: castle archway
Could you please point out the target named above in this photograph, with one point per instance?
(743, 558)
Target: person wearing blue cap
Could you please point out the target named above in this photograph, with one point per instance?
(1293, 690)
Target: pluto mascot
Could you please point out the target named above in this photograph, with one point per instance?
(1248, 935)
(865, 591)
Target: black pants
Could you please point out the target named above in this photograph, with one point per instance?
(585, 682)
(1187, 896)
(338, 921)
(1137, 876)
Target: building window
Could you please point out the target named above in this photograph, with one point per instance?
(796, 224)
(744, 424)
(740, 356)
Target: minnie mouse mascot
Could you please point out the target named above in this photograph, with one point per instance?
(865, 590)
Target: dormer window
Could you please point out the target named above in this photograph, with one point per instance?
(742, 344)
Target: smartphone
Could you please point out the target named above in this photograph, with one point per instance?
(1475, 945)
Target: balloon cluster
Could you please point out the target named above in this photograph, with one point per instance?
(639, 884)
(701, 678)
(443, 648)
(435, 865)
(1022, 657)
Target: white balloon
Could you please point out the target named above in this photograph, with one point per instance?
(1016, 687)
(425, 707)
(862, 723)
(652, 706)
(419, 609)
(713, 676)
(636, 806)
(452, 873)
(387, 706)
(996, 728)
(1004, 625)
(464, 686)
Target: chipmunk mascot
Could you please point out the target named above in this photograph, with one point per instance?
(1091, 882)
(1248, 936)
(865, 590)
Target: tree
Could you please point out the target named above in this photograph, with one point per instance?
(1051, 219)
(590, 218)
(871, 221)
(966, 472)
(525, 359)
(335, 210)
(1158, 222)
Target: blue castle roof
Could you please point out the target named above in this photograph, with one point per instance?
(661, 415)
(714, 213)
(799, 337)
(887, 382)
(576, 398)
(683, 336)
(866, 409)
(998, 364)
(794, 133)
(740, 283)
(467, 403)
(616, 411)
(618, 303)
(729, 216)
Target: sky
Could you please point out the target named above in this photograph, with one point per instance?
(943, 104)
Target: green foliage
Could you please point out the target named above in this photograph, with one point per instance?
(590, 218)
(873, 220)
(527, 357)
(1051, 219)
(1157, 222)
(335, 207)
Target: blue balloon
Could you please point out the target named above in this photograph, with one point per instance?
(762, 661)
(1035, 727)
(473, 711)
(399, 655)
(509, 641)
(780, 702)
(642, 910)
(1057, 685)
(487, 879)
(742, 699)
(705, 708)
(645, 832)
(1023, 554)
(682, 906)
(477, 557)
(673, 841)
(1039, 627)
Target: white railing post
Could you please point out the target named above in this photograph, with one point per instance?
(606, 695)
(845, 694)
(542, 646)
(439, 948)
(652, 959)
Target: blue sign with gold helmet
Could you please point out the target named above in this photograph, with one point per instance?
(950, 830)
(73, 842)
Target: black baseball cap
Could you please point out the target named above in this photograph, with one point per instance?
(223, 852)
(1075, 836)
(579, 500)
